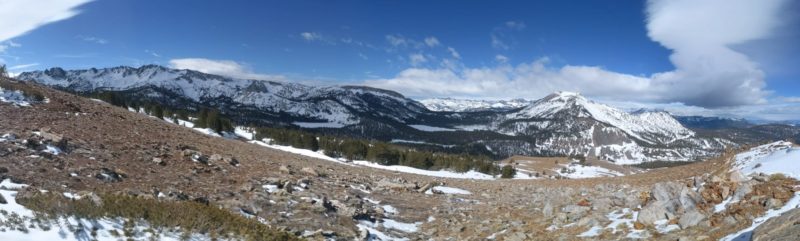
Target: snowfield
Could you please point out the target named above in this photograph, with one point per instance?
(14, 97)
(430, 128)
(776, 157)
(578, 171)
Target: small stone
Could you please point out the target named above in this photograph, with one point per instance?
(159, 161)
(638, 226)
(309, 171)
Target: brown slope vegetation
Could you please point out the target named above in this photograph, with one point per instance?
(101, 140)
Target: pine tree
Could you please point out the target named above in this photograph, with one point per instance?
(158, 112)
(508, 171)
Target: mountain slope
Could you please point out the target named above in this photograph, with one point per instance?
(566, 122)
(560, 124)
(339, 106)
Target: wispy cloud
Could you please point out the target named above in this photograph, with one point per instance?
(152, 53)
(501, 58)
(8, 44)
(93, 39)
(75, 56)
(18, 17)
(417, 59)
(221, 67)
(792, 99)
(453, 53)
(502, 36)
(431, 42)
(23, 66)
(310, 36)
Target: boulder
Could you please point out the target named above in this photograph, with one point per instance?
(785, 227)
(665, 191)
(737, 176)
(743, 189)
(691, 218)
(655, 211)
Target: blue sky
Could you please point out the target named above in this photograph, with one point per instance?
(609, 50)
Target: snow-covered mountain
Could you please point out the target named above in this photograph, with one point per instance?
(562, 123)
(467, 105)
(335, 106)
(568, 123)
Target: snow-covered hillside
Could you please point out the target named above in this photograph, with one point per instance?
(570, 124)
(777, 157)
(336, 105)
(466, 105)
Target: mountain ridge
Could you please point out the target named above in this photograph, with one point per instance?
(563, 123)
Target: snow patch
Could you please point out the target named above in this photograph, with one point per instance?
(430, 128)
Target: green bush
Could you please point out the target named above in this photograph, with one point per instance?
(508, 171)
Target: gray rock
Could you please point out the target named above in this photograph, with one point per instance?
(691, 218)
(574, 212)
(743, 189)
(737, 176)
(655, 211)
(689, 199)
(3, 199)
(547, 210)
(774, 203)
(664, 191)
(782, 228)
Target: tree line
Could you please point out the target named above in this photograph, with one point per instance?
(334, 146)
(377, 151)
(205, 118)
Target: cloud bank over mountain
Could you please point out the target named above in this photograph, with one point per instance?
(708, 72)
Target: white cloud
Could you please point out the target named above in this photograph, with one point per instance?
(501, 58)
(152, 53)
(23, 66)
(501, 36)
(417, 59)
(431, 42)
(396, 40)
(93, 39)
(8, 44)
(220, 67)
(310, 36)
(707, 73)
(516, 25)
(526, 80)
(18, 17)
(498, 43)
(453, 53)
(792, 99)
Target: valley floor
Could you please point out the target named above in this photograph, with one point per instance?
(70, 144)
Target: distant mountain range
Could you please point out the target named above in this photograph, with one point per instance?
(562, 123)
(467, 105)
